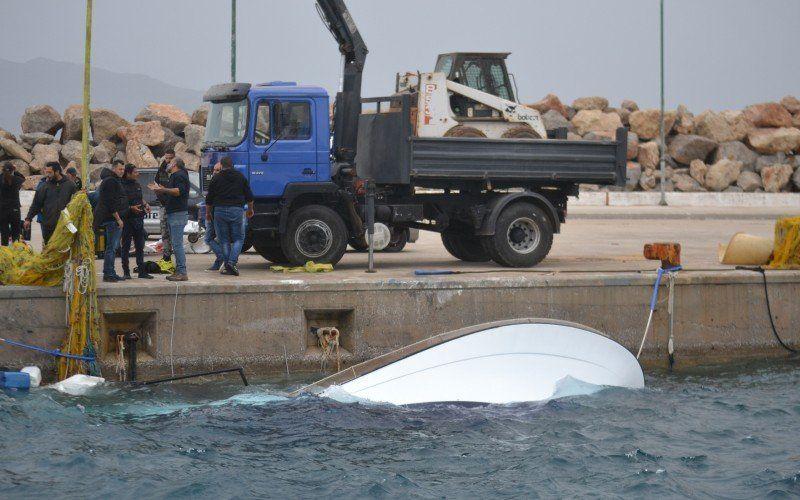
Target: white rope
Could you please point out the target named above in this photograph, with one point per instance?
(172, 332)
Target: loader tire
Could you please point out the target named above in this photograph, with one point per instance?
(523, 236)
(520, 132)
(314, 233)
(270, 249)
(464, 131)
(465, 247)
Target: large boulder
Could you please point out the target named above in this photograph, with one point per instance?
(686, 183)
(102, 154)
(646, 122)
(194, 137)
(140, 155)
(105, 124)
(33, 138)
(684, 122)
(191, 161)
(31, 182)
(685, 148)
(768, 114)
(633, 145)
(774, 140)
(588, 103)
(698, 170)
(722, 174)
(713, 126)
(550, 102)
(769, 160)
(15, 150)
(595, 121)
(147, 133)
(96, 170)
(649, 155)
(71, 151)
(73, 124)
(749, 181)
(552, 120)
(647, 181)
(791, 103)
(169, 142)
(776, 177)
(42, 118)
(634, 173)
(735, 150)
(200, 115)
(168, 115)
(45, 153)
(739, 124)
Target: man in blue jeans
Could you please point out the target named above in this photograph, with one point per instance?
(228, 192)
(177, 209)
(111, 209)
(211, 233)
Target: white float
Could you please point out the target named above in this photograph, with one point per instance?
(503, 362)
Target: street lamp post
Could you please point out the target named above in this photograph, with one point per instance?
(233, 40)
(661, 131)
(87, 74)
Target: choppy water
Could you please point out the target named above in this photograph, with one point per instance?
(726, 432)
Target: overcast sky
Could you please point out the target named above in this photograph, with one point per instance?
(720, 53)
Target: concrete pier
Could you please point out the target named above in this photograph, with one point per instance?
(595, 276)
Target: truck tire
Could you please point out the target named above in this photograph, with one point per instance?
(314, 233)
(270, 249)
(464, 131)
(398, 241)
(465, 247)
(248, 242)
(523, 236)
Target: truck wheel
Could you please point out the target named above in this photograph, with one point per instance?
(248, 242)
(314, 233)
(465, 247)
(523, 236)
(358, 244)
(398, 241)
(270, 249)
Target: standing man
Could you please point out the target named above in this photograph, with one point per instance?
(134, 223)
(112, 207)
(211, 234)
(177, 209)
(72, 174)
(162, 179)
(227, 195)
(50, 199)
(10, 184)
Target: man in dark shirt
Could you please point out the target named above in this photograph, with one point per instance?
(162, 179)
(10, 184)
(112, 207)
(72, 174)
(134, 223)
(227, 195)
(50, 199)
(177, 209)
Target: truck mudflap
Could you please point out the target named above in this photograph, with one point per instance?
(496, 206)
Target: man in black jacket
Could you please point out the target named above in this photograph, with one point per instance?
(134, 223)
(227, 195)
(50, 199)
(10, 184)
(112, 206)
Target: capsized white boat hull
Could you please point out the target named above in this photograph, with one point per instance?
(502, 362)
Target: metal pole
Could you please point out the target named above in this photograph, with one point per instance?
(371, 226)
(87, 75)
(233, 40)
(661, 131)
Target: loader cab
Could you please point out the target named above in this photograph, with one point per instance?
(484, 71)
(276, 133)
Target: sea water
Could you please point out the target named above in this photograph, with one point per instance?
(730, 432)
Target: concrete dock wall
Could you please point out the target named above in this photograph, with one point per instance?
(719, 316)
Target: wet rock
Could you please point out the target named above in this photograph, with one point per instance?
(73, 124)
(686, 183)
(776, 177)
(71, 151)
(698, 170)
(33, 138)
(550, 102)
(590, 103)
(735, 150)
(595, 121)
(768, 114)
(200, 115)
(791, 103)
(749, 181)
(15, 150)
(105, 124)
(646, 123)
(722, 174)
(649, 155)
(633, 174)
(552, 120)
(168, 115)
(41, 118)
(139, 155)
(774, 140)
(685, 148)
(194, 135)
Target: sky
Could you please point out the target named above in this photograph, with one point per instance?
(721, 54)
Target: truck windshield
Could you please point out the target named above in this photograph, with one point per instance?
(227, 123)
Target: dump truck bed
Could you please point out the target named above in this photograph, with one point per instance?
(388, 153)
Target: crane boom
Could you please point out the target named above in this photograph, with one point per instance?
(347, 107)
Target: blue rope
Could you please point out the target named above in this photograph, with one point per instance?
(56, 352)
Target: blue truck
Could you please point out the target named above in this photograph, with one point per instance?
(312, 176)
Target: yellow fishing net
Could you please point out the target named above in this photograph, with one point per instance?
(67, 259)
(786, 254)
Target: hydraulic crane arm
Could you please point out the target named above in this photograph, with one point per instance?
(354, 51)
